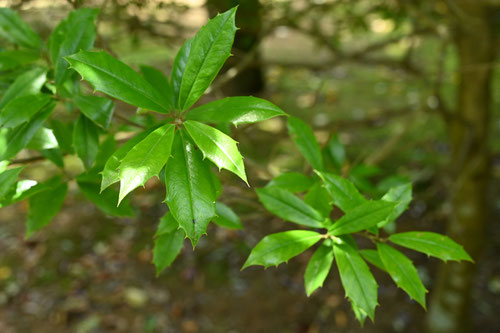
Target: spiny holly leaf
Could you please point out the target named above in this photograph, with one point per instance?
(178, 70)
(21, 109)
(159, 81)
(290, 208)
(118, 80)
(235, 110)
(209, 50)
(359, 313)
(432, 244)
(359, 284)
(190, 190)
(402, 271)
(226, 217)
(98, 109)
(318, 268)
(292, 181)
(305, 140)
(362, 217)
(146, 159)
(402, 196)
(86, 140)
(13, 28)
(274, 249)
(318, 198)
(344, 194)
(28, 83)
(217, 147)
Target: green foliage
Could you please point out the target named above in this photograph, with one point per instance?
(168, 243)
(305, 140)
(226, 217)
(14, 29)
(318, 268)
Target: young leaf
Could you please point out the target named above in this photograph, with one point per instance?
(10, 59)
(167, 248)
(190, 190)
(209, 50)
(318, 198)
(373, 258)
(19, 136)
(284, 204)
(402, 271)
(359, 284)
(318, 268)
(44, 206)
(146, 159)
(292, 181)
(401, 195)
(217, 147)
(14, 29)
(28, 83)
(86, 140)
(7, 180)
(305, 140)
(159, 81)
(362, 217)
(98, 109)
(116, 79)
(432, 244)
(274, 249)
(21, 109)
(344, 194)
(235, 110)
(178, 70)
(226, 217)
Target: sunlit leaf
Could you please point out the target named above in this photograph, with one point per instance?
(318, 268)
(344, 194)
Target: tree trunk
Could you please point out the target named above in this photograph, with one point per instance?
(470, 160)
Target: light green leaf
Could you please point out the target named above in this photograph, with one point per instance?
(167, 247)
(178, 69)
(318, 268)
(402, 196)
(217, 147)
(190, 190)
(305, 140)
(21, 109)
(14, 29)
(7, 180)
(209, 50)
(10, 59)
(44, 206)
(226, 217)
(359, 284)
(284, 204)
(43, 139)
(362, 217)
(274, 249)
(98, 109)
(318, 198)
(373, 258)
(432, 244)
(359, 313)
(402, 271)
(86, 140)
(116, 79)
(292, 181)
(145, 159)
(159, 81)
(344, 194)
(28, 83)
(235, 110)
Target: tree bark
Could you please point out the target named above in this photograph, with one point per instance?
(470, 163)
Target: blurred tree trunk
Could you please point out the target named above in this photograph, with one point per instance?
(250, 80)
(470, 160)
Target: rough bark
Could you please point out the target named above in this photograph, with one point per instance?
(469, 134)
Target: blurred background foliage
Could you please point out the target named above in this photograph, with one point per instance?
(402, 90)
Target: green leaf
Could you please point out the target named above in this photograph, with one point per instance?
(43, 139)
(19, 136)
(217, 147)
(226, 217)
(190, 190)
(402, 196)
(432, 244)
(159, 81)
(334, 152)
(292, 181)
(54, 155)
(235, 110)
(64, 135)
(110, 173)
(14, 29)
(167, 247)
(86, 140)
(359, 284)
(7, 180)
(21, 109)
(274, 249)
(373, 258)
(209, 50)
(318, 198)
(10, 59)
(28, 83)
(359, 313)
(402, 271)
(178, 69)
(116, 79)
(287, 206)
(344, 194)
(318, 268)
(305, 140)
(362, 217)
(44, 206)
(98, 109)
(167, 225)
(145, 159)
(75, 33)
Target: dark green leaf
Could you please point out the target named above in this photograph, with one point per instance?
(167, 225)
(334, 152)
(98, 109)
(167, 248)
(292, 181)
(21, 109)
(274, 249)
(318, 198)
(7, 180)
(318, 268)
(86, 140)
(11, 59)
(226, 217)
(54, 155)
(178, 69)
(64, 135)
(373, 258)
(432, 244)
(159, 81)
(305, 140)
(344, 194)
(28, 83)
(14, 29)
